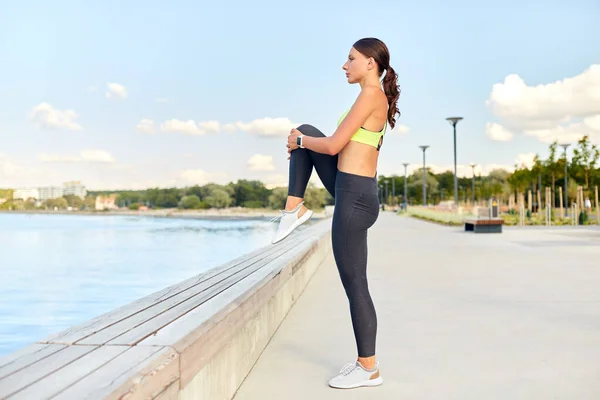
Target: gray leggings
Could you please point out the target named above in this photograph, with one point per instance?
(356, 210)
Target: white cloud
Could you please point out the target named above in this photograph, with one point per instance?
(115, 90)
(201, 177)
(44, 115)
(400, 129)
(8, 168)
(85, 156)
(267, 126)
(497, 132)
(275, 180)
(190, 127)
(551, 111)
(259, 162)
(145, 126)
(525, 159)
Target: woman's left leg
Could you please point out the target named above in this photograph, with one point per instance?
(356, 210)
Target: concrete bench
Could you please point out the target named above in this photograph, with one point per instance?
(194, 340)
(484, 225)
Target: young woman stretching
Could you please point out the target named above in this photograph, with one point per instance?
(346, 163)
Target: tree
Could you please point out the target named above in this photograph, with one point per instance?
(585, 158)
(190, 202)
(552, 166)
(218, 198)
(278, 198)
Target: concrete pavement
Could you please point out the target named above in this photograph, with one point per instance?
(461, 316)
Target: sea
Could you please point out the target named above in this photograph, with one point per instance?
(57, 271)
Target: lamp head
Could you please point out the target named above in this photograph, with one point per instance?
(423, 147)
(453, 120)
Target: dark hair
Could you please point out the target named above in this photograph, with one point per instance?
(372, 47)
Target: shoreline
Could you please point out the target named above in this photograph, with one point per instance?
(211, 214)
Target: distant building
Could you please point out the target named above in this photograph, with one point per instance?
(26, 193)
(3, 200)
(49, 192)
(74, 188)
(106, 202)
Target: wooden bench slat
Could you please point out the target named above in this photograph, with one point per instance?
(74, 334)
(141, 331)
(104, 380)
(24, 377)
(26, 356)
(70, 373)
(185, 330)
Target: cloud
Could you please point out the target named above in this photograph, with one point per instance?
(145, 126)
(190, 127)
(44, 115)
(551, 111)
(267, 127)
(525, 159)
(85, 156)
(275, 180)
(201, 177)
(498, 132)
(400, 129)
(259, 162)
(8, 168)
(116, 90)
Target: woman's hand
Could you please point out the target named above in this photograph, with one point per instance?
(291, 143)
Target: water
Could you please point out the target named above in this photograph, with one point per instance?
(60, 270)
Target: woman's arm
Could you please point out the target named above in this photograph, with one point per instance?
(332, 145)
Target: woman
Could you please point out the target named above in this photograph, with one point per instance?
(346, 163)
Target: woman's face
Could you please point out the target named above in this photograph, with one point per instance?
(356, 67)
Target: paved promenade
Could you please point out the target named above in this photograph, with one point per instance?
(461, 316)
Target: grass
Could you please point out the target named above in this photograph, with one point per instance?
(449, 218)
(441, 217)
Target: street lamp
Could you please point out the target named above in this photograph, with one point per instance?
(393, 189)
(564, 146)
(424, 177)
(473, 181)
(453, 121)
(405, 191)
(386, 191)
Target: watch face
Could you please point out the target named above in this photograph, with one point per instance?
(298, 140)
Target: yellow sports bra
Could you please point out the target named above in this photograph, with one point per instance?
(365, 136)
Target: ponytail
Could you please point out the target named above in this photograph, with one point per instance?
(392, 92)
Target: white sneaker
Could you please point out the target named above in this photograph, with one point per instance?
(355, 375)
(289, 221)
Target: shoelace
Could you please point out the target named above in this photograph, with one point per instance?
(348, 368)
(278, 217)
(283, 212)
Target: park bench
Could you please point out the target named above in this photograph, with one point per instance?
(484, 222)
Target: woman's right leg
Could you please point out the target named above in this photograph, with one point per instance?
(302, 162)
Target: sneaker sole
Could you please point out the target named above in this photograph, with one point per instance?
(305, 217)
(369, 383)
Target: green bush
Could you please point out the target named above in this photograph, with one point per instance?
(189, 202)
(253, 204)
(134, 206)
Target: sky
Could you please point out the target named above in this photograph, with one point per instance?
(131, 95)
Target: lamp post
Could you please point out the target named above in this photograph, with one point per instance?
(393, 189)
(453, 121)
(424, 177)
(405, 191)
(473, 184)
(386, 192)
(564, 146)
